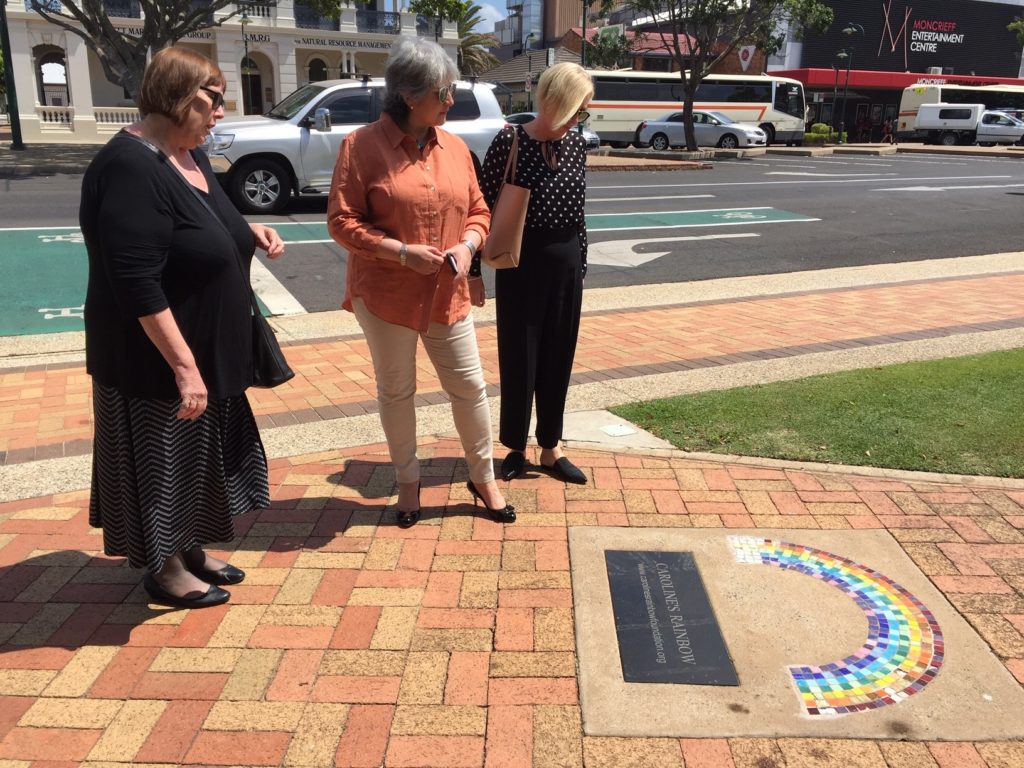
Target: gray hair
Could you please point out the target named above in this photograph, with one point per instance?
(415, 67)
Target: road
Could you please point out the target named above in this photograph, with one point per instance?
(773, 214)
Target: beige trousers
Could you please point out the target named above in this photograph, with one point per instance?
(453, 351)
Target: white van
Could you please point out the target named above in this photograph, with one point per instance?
(951, 124)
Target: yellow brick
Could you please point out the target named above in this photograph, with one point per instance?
(19, 763)
(553, 629)
(129, 730)
(467, 563)
(252, 674)
(724, 496)
(316, 739)
(838, 508)
(556, 737)
(691, 480)
(456, 528)
(236, 628)
(254, 716)
(535, 580)
(195, 660)
(517, 556)
(70, 713)
(329, 560)
(660, 521)
(251, 551)
(46, 513)
(542, 519)
(25, 682)
(452, 639)
(263, 577)
(412, 720)
(639, 502)
(46, 584)
(299, 587)
(524, 664)
(81, 671)
(759, 503)
(302, 615)
(386, 596)
(706, 521)
(383, 555)
(394, 628)
(619, 752)
(832, 522)
(479, 590)
(370, 663)
(424, 678)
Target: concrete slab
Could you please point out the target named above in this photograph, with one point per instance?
(801, 151)
(602, 429)
(779, 624)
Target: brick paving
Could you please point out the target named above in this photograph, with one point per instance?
(355, 643)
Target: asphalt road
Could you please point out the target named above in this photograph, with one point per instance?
(772, 214)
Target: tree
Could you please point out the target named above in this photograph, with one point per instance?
(700, 33)
(1017, 27)
(123, 56)
(474, 57)
(607, 51)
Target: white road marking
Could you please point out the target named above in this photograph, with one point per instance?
(946, 189)
(839, 175)
(635, 199)
(277, 298)
(621, 253)
(802, 181)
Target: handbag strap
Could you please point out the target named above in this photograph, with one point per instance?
(202, 201)
(513, 155)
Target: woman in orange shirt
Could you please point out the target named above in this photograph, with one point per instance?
(406, 205)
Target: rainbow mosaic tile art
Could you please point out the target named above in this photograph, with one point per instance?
(904, 648)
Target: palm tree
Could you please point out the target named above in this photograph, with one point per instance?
(474, 57)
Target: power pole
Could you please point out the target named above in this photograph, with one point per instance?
(12, 96)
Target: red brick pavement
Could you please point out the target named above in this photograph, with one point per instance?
(355, 643)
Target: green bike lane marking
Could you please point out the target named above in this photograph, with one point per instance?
(48, 267)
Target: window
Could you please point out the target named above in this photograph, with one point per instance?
(789, 98)
(348, 107)
(317, 70)
(954, 114)
(465, 106)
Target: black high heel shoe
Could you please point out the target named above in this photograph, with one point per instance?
(195, 562)
(410, 518)
(505, 515)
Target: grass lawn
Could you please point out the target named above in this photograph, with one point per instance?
(960, 415)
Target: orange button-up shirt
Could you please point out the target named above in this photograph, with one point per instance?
(384, 187)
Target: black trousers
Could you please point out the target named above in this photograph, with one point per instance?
(538, 314)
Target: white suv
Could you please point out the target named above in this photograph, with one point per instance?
(263, 159)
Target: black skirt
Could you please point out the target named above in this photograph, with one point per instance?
(161, 484)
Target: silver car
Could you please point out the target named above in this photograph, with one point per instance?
(711, 129)
(521, 118)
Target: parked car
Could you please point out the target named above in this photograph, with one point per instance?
(712, 129)
(521, 118)
(262, 160)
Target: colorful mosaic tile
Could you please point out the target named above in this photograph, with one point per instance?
(904, 648)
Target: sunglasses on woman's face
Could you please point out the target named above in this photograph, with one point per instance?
(216, 97)
(445, 91)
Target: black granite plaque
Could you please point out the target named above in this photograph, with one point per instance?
(664, 621)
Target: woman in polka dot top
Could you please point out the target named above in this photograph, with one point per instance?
(538, 303)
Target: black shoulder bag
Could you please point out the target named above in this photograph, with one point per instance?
(270, 368)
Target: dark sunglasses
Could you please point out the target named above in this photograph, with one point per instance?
(216, 97)
(445, 91)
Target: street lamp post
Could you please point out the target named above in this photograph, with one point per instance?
(849, 29)
(583, 37)
(835, 99)
(529, 72)
(844, 57)
(246, 73)
(12, 96)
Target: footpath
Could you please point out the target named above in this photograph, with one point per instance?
(355, 643)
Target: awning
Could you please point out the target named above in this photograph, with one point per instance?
(861, 78)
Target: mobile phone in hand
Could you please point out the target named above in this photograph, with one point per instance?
(453, 265)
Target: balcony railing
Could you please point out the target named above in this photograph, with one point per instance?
(255, 10)
(122, 9)
(428, 26)
(307, 18)
(379, 22)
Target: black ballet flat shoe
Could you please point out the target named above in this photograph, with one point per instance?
(157, 594)
(513, 465)
(506, 514)
(410, 518)
(566, 471)
(195, 562)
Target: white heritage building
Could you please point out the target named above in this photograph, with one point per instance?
(264, 52)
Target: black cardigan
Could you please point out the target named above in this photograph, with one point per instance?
(152, 245)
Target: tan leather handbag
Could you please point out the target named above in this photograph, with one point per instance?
(508, 217)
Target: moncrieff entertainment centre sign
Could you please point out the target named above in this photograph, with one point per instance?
(961, 37)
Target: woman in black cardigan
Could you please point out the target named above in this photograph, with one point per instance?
(539, 302)
(168, 340)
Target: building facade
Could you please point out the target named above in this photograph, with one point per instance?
(265, 54)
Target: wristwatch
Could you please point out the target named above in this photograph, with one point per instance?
(403, 253)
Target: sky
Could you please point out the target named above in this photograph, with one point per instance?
(490, 13)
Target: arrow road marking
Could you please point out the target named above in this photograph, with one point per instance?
(622, 253)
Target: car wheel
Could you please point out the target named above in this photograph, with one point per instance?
(769, 133)
(659, 142)
(728, 142)
(948, 140)
(260, 186)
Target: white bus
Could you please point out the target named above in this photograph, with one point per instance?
(1000, 97)
(624, 98)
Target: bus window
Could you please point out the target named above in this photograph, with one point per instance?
(789, 98)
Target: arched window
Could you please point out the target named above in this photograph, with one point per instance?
(51, 76)
(317, 70)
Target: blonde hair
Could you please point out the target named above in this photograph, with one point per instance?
(562, 90)
(171, 81)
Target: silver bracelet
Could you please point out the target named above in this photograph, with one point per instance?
(471, 245)
(403, 253)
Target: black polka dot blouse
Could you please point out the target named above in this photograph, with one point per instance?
(557, 196)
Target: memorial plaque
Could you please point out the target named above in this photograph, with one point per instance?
(666, 628)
